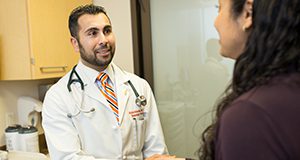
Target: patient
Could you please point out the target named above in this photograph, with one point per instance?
(259, 115)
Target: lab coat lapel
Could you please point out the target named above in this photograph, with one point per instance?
(123, 91)
(123, 95)
(91, 90)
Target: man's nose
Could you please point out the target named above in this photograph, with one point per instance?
(102, 39)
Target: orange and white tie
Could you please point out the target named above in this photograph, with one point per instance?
(108, 92)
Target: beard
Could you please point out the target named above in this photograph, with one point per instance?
(92, 58)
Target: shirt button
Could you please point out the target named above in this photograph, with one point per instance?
(124, 157)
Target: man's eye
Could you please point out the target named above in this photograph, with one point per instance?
(92, 33)
(107, 31)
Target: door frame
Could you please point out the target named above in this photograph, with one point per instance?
(142, 40)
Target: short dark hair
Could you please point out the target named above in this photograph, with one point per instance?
(78, 12)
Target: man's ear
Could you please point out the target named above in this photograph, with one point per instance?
(75, 44)
(248, 10)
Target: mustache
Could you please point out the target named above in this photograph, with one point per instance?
(103, 47)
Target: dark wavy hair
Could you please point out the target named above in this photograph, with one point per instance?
(272, 48)
(78, 12)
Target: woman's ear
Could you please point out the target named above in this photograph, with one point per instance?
(248, 10)
(75, 44)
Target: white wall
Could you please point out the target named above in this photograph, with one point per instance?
(120, 16)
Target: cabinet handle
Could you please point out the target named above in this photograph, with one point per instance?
(53, 69)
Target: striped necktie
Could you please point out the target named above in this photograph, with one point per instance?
(108, 92)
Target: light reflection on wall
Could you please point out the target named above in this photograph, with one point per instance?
(189, 73)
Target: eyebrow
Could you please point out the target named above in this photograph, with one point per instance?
(107, 27)
(97, 29)
(91, 29)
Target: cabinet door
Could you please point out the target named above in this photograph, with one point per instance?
(52, 54)
(14, 48)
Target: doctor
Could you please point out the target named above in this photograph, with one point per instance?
(97, 110)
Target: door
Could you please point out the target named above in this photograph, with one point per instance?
(188, 73)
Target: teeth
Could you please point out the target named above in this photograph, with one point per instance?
(102, 51)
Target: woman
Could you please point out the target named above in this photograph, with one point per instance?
(258, 117)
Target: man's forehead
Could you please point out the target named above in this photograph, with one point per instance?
(89, 20)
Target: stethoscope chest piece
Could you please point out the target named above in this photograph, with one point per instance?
(141, 101)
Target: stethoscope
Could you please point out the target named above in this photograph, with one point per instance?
(140, 100)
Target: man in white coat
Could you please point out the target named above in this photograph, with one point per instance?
(91, 113)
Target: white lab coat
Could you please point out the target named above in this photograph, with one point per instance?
(96, 135)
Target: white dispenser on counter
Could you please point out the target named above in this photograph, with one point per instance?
(30, 119)
(26, 133)
(29, 111)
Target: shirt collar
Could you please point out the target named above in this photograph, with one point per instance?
(92, 74)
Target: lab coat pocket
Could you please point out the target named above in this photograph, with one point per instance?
(139, 131)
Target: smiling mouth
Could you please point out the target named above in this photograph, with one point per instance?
(103, 52)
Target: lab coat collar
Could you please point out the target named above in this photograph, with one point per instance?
(88, 76)
(123, 90)
(121, 76)
(118, 76)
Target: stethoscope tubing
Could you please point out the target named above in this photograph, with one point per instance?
(140, 99)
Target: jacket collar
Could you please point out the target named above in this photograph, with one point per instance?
(120, 78)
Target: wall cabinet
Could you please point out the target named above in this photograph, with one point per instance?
(35, 40)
